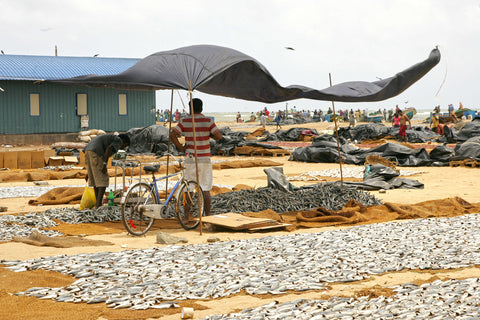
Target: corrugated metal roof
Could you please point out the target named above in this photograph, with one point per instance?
(23, 67)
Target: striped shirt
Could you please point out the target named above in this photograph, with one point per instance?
(203, 128)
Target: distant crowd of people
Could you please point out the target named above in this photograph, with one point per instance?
(165, 116)
(264, 116)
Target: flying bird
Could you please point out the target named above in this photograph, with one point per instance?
(95, 55)
(3, 52)
(289, 48)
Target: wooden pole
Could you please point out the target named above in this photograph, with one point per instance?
(192, 113)
(168, 146)
(338, 140)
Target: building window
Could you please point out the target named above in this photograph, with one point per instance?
(35, 104)
(82, 104)
(122, 104)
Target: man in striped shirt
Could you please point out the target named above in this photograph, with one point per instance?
(204, 129)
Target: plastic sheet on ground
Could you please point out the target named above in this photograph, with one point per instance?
(379, 176)
(327, 152)
(372, 131)
(292, 134)
(470, 149)
(151, 139)
(469, 130)
(276, 179)
(441, 155)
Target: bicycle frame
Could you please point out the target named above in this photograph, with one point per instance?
(154, 186)
(141, 204)
(155, 194)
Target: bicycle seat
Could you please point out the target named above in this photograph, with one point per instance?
(151, 168)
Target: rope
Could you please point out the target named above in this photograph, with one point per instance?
(444, 77)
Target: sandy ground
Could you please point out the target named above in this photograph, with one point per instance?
(440, 183)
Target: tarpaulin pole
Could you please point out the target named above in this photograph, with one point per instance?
(168, 146)
(195, 149)
(336, 130)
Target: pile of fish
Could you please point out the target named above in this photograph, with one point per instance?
(159, 276)
(27, 191)
(75, 216)
(23, 225)
(451, 299)
(332, 196)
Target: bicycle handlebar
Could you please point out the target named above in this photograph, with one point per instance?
(174, 158)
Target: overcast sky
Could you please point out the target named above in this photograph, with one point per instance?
(351, 39)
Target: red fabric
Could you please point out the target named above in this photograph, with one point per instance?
(308, 133)
(440, 129)
(403, 130)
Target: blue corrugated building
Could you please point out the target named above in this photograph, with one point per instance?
(30, 105)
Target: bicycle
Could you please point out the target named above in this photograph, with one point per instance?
(141, 204)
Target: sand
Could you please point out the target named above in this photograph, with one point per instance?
(440, 183)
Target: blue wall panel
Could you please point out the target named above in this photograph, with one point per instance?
(58, 112)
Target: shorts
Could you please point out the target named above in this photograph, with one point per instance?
(403, 131)
(205, 173)
(94, 163)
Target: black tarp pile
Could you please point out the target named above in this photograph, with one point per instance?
(292, 134)
(376, 176)
(379, 176)
(151, 139)
(441, 154)
(292, 120)
(460, 132)
(470, 149)
(232, 139)
(324, 148)
(326, 151)
(371, 131)
(154, 140)
(469, 130)
(227, 145)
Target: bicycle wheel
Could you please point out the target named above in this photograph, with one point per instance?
(134, 220)
(189, 205)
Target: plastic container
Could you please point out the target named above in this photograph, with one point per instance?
(111, 197)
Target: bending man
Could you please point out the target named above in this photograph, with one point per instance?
(97, 153)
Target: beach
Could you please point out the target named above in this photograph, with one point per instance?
(439, 183)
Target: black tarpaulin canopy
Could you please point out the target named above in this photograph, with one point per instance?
(226, 72)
